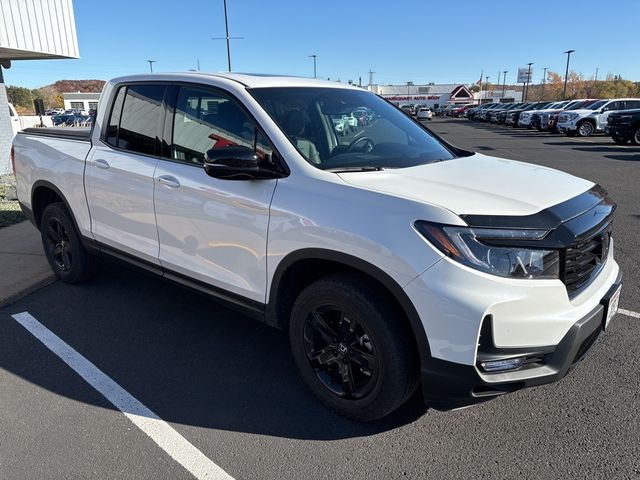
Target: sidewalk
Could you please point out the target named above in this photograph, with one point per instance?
(23, 266)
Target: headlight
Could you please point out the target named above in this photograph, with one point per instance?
(571, 116)
(484, 249)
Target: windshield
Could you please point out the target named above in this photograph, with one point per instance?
(597, 105)
(316, 121)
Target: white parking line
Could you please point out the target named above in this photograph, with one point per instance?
(629, 313)
(158, 430)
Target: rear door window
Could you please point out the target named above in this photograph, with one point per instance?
(135, 119)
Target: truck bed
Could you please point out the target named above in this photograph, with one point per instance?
(68, 133)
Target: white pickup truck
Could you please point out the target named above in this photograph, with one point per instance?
(398, 263)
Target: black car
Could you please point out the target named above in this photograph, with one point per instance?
(514, 115)
(502, 115)
(623, 126)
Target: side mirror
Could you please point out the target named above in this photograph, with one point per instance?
(236, 163)
(603, 109)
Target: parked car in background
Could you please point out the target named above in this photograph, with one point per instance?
(514, 115)
(408, 109)
(15, 120)
(624, 126)
(459, 111)
(501, 116)
(593, 119)
(548, 118)
(534, 121)
(472, 113)
(424, 113)
(524, 120)
(493, 114)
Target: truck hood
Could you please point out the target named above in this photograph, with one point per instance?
(476, 185)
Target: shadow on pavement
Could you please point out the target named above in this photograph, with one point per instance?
(184, 356)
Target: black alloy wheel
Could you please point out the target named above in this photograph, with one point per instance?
(352, 346)
(62, 246)
(59, 244)
(341, 352)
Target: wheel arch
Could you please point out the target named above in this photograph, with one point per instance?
(302, 267)
(44, 193)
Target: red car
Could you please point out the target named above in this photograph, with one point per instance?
(459, 111)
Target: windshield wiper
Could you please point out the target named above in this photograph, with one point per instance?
(354, 169)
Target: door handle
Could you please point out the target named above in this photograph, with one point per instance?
(169, 181)
(100, 163)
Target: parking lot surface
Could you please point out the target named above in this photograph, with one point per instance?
(228, 386)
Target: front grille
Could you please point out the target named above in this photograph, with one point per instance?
(562, 118)
(584, 259)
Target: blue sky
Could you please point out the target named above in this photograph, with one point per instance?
(413, 40)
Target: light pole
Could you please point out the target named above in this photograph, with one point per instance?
(227, 37)
(566, 74)
(544, 81)
(526, 88)
(151, 62)
(314, 64)
(504, 81)
(486, 87)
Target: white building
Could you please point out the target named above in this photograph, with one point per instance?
(429, 95)
(495, 96)
(31, 30)
(81, 101)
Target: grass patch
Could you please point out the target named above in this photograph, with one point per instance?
(10, 212)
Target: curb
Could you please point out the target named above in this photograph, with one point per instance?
(39, 282)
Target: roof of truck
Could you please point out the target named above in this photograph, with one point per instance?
(249, 80)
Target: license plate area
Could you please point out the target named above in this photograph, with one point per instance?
(610, 302)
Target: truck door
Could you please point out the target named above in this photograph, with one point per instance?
(120, 172)
(211, 230)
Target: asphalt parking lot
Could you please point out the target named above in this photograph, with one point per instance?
(227, 385)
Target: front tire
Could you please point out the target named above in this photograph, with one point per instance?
(636, 137)
(619, 139)
(62, 245)
(352, 348)
(585, 129)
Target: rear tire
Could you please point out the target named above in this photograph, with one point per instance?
(62, 245)
(352, 348)
(636, 137)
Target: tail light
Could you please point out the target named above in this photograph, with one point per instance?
(13, 160)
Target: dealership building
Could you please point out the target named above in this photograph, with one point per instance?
(429, 95)
(81, 101)
(31, 30)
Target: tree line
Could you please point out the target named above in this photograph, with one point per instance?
(612, 86)
(22, 98)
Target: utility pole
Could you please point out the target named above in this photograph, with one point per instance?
(526, 88)
(498, 82)
(544, 81)
(198, 64)
(566, 74)
(371, 72)
(314, 64)
(151, 62)
(504, 81)
(486, 87)
(227, 37)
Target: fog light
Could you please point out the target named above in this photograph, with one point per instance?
(499, 365)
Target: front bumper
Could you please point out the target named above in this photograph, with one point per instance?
(622, 131)
(448, 385)
(567, 127)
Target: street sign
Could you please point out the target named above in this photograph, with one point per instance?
(525, 75)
